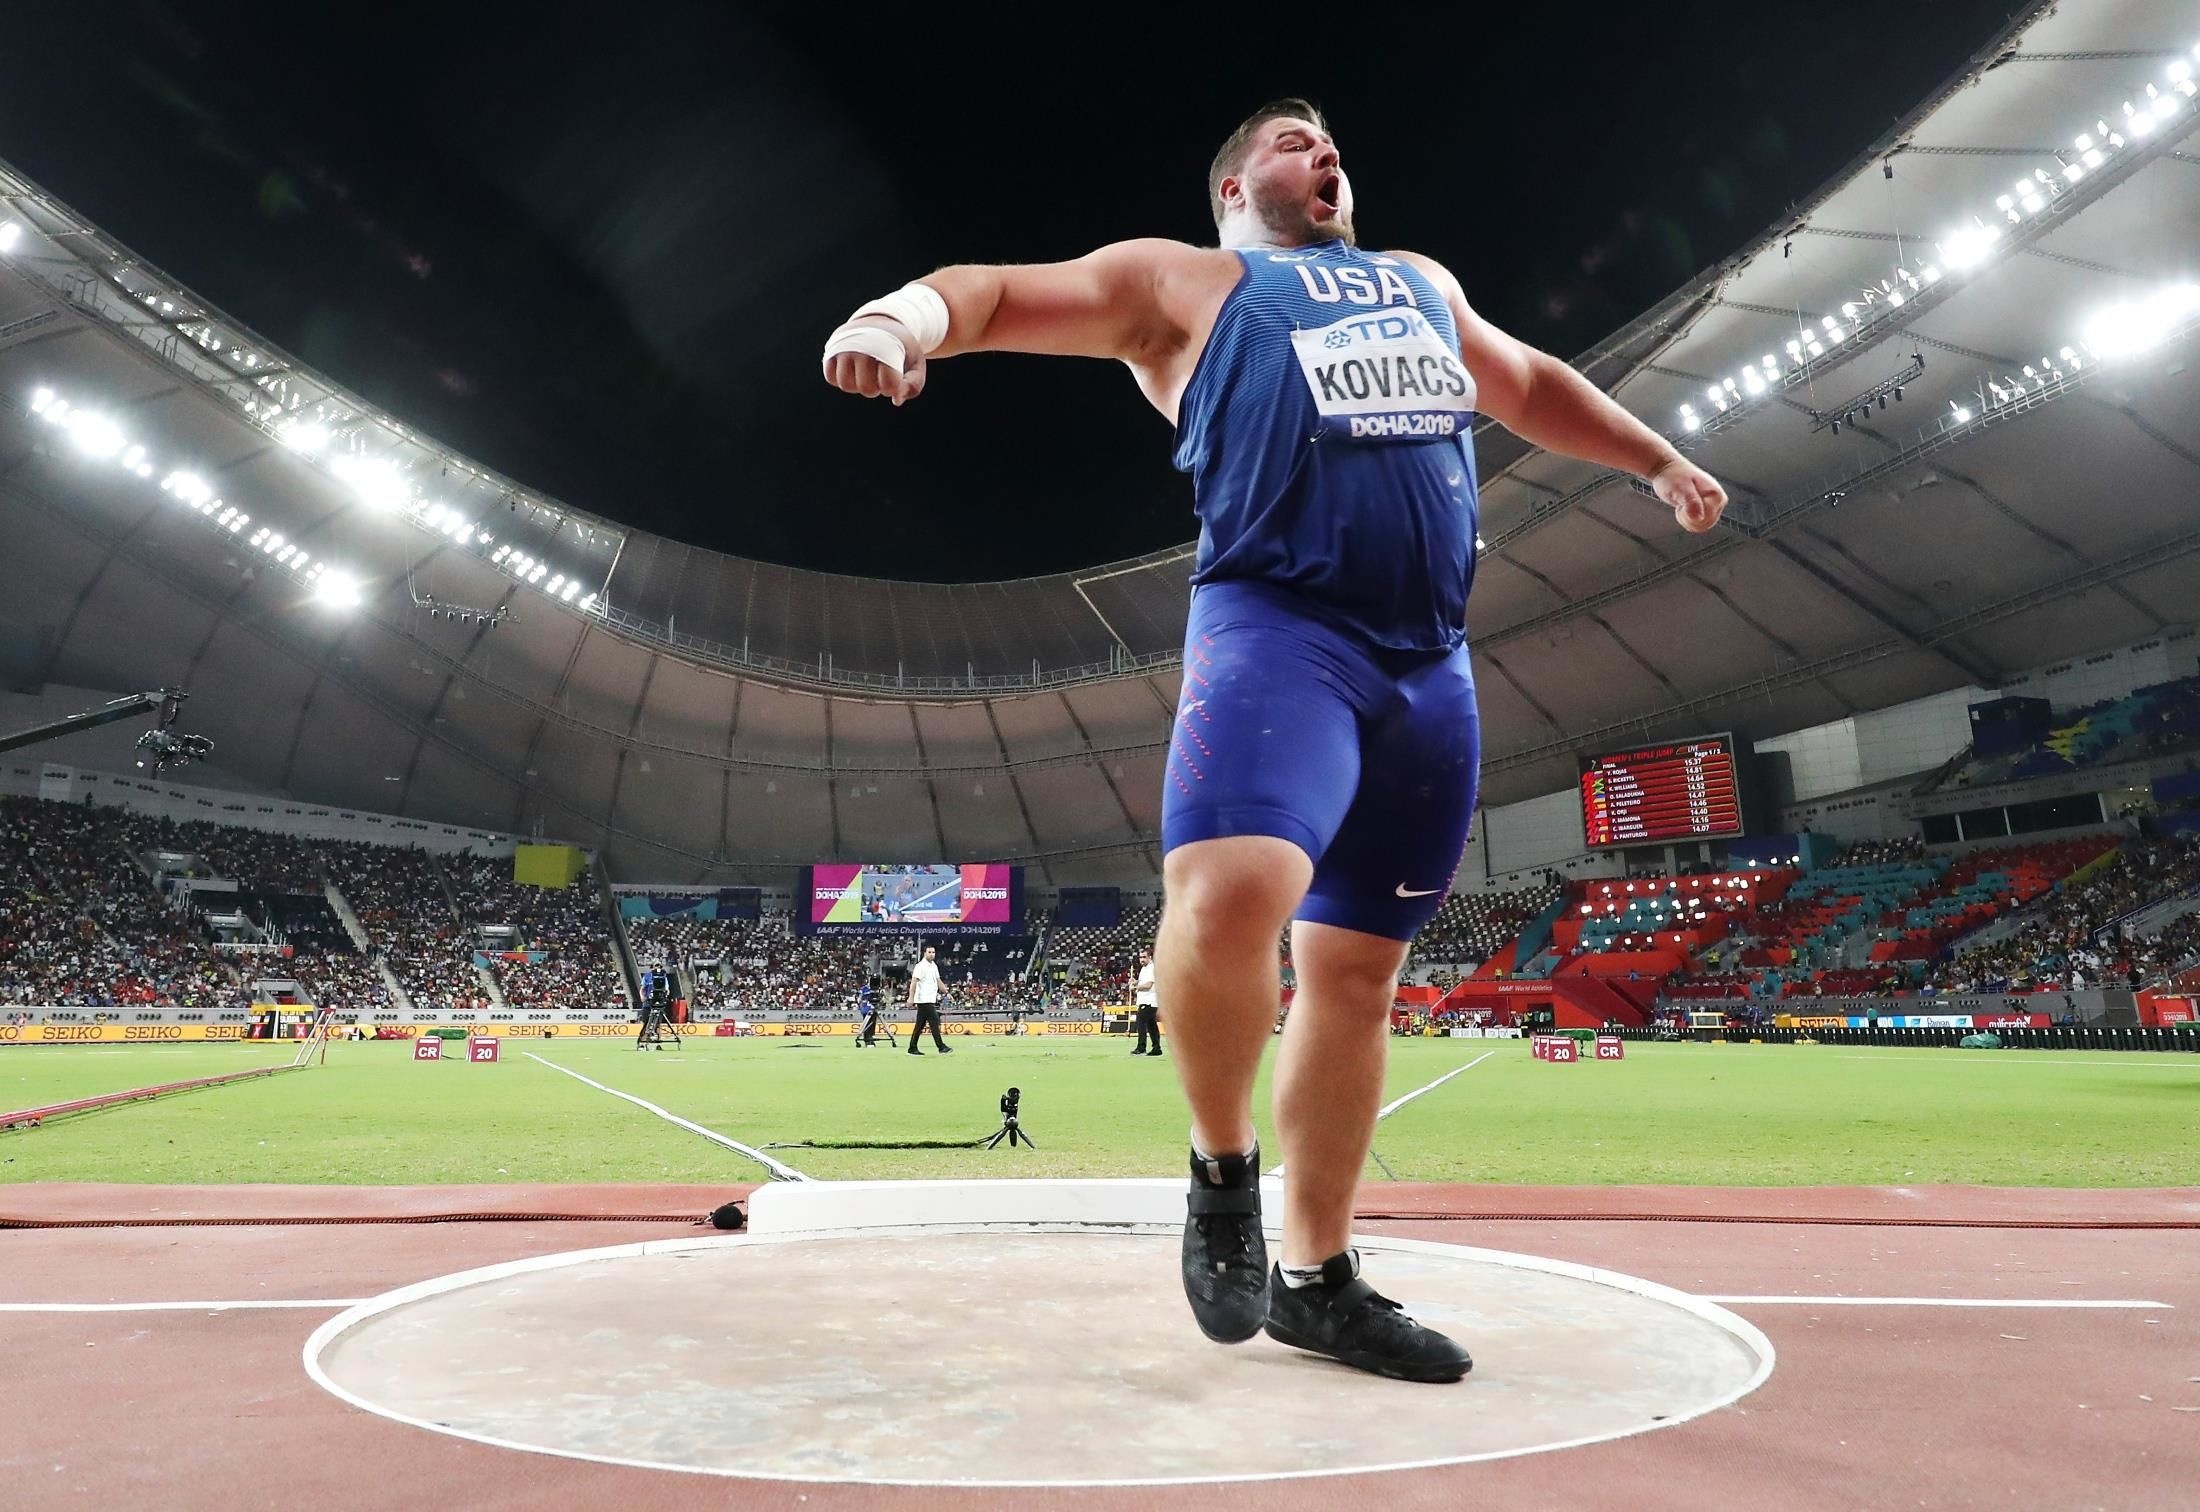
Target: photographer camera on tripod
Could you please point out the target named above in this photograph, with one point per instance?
(1011, 1130)
(867, 1015)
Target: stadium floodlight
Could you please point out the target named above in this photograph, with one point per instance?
(189, 487)
(376, 480)
(571, 589)
(11, 232)
(96, 435)
(589, 602)
(338, 590)
(41, 400)
(1968, 246)
(2135, 325)
(304, 436)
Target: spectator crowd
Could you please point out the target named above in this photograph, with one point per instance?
(2073, 939)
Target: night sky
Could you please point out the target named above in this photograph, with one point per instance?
(600, 247)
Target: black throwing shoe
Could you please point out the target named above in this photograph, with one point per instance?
(1346, 1319)
(1225, 1254)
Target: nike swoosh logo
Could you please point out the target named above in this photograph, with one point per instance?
(1416, 892)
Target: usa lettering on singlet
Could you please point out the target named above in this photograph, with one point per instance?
(1328, 431)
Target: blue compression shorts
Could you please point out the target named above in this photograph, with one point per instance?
(1363, 757)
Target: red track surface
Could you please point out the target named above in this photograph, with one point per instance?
(1870, 1407)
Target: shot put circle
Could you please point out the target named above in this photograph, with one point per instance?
(973, 1356)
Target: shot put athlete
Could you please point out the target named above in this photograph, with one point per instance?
(1323, 761)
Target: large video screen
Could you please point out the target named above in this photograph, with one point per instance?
(1686, 790)
(861, 896)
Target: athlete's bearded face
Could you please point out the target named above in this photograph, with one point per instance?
(1295, 188)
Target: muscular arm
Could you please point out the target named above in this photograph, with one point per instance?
(1109, 303)
(1539, 398)
(1137, 302)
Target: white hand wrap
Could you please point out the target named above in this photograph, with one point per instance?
(918, 307)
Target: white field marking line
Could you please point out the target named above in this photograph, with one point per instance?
(322, 1303)
(2075, 1302)
(1390, 1108)
(778, 1168)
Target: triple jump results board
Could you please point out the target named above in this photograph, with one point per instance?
(1682, 791)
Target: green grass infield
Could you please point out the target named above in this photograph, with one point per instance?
(1714, 1115)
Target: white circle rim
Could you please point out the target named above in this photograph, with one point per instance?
(1747, 1333)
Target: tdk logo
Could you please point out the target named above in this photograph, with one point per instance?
(1379, 328)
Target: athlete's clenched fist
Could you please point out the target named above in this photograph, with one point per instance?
(1696, 498)
(878, 358)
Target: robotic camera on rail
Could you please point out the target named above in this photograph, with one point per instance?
(164, 748)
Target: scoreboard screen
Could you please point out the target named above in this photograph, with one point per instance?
(1685, 790)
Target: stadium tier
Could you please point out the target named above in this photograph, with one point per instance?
(100, 907)
(2103, 910)
(1470, 928)
(543, 946)
(2158, 720)
(105, 908)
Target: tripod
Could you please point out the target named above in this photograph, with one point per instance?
(657, 1027)
(1011, 1130)
(885, 1024)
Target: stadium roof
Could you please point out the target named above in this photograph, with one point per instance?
(2023, 494)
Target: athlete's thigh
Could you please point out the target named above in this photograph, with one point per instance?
(1393, 858)
(1266, 739)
